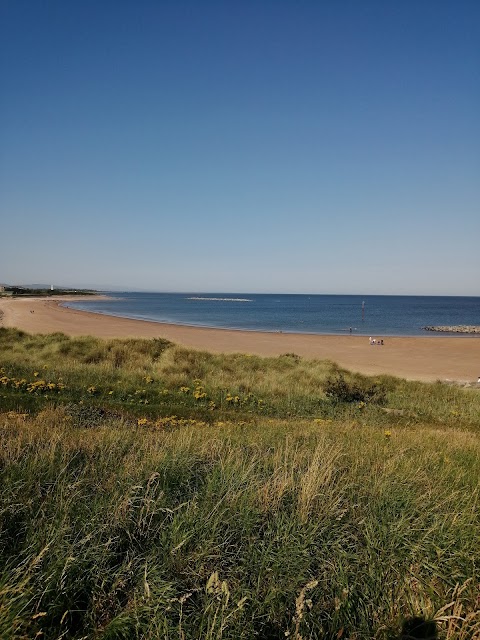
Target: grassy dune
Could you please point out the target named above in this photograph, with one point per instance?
(148, 491)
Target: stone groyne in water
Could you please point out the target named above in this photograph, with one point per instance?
(461, 328)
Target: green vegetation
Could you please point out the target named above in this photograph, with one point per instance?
(29, 291)
(149, 491)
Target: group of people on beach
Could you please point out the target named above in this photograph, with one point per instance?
(375, 341)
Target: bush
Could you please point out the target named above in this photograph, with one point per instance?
(358, 390)
(85, 416)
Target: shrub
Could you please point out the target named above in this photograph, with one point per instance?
(85, 416)
(293, 356)
(339, 389)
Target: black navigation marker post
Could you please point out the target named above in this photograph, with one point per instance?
(363, 311)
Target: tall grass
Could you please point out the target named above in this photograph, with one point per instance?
(116, 532)
(292, 512)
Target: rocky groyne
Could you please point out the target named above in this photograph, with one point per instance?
(460, 328)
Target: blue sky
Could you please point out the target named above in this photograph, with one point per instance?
(270, 146)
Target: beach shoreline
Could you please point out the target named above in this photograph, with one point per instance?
(429, 358)
(341, 332)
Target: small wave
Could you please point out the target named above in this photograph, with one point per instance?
(221, 299)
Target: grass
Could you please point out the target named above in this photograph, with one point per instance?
(292, 512)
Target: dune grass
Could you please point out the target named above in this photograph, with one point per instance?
(154, 377)
(299, 510)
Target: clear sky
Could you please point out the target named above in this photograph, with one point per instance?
(241, 146)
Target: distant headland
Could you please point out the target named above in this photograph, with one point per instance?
(42, 291)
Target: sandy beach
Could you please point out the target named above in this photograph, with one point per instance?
(420, 358)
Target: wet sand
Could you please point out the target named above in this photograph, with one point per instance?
(419, 358)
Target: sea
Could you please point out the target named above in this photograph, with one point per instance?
(293, 313)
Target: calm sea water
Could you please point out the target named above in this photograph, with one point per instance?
(323, 314)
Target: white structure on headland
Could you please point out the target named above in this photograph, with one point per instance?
(51, 287)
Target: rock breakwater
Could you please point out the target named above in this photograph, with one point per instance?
(460, 328)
